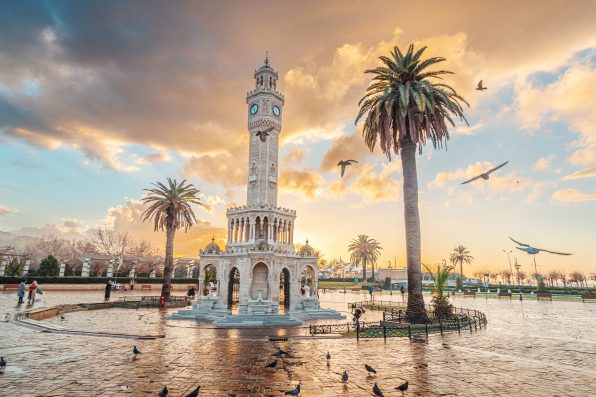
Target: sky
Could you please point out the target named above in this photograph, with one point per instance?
(100, 99)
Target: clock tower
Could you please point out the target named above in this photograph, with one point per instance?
(264, 126)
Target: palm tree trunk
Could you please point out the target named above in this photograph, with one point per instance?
(363, 270)
(461, 271)
(415, 309)
(169, 263)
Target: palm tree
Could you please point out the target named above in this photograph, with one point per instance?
(461, 255)
(169, 208)
(366, 250)
(442, 307)
(402, 109)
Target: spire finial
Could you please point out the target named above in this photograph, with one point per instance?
(266, 58)
(307, 241)
(213, 238)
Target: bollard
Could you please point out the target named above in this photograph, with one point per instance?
(426, 329)
(441, 327)
(409, 331)
(385, 333)
(458, 326)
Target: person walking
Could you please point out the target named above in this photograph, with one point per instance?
(132, 284)
(108, 290)
(403, 291)
(32, 292)
(21, 291)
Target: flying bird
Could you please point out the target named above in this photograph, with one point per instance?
(164, 392)
(480, 87)
(264, 134)
(344, 377)
(2, 365)
(136, 351)
(377, 391)
(294, 392)
(370, 369)
(486, 174)
(328, 356)
(533, 251)
(194, 393)
(403, 387)
(344, 164)
(272, 364)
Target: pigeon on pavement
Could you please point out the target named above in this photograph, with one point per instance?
(370, 369)
(164, 392)
(194, 393)
(294, 392)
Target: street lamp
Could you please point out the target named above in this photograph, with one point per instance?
(509, 260)
(517, 267)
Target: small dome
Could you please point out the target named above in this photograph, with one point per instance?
(307, 250)
(212, 247)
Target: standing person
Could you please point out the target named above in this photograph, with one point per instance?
(403, 291)
(132, 284)
(21, 292)
(108, 290)
(370, 291)
(32, 292)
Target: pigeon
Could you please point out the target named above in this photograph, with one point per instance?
(377, 391)
(280, 353)
(164, 392)
(136, 351)
(272, 364)
(294, 392)
(403, 387)
(194, 393)
(480, 87)
(344, 164)
(344, 377)
(485, 175)
(2, 365)
(62, 317)
(328, 356)
(370, 369)
(264, 134)
(124, 387)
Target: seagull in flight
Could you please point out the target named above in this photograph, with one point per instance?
(485, 175)
(480, 87)
(533, 251)
(264, 134)
(344, 164)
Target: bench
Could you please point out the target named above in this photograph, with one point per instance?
(355, 289)
(11, 287)
(586, 297)
(544, 295)
(470, 293)
(145, 286)
(509, 294)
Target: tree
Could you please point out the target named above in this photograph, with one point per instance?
(506, 276)
(442, 307)
(170, 209)
(402, 109)
(14, 268)
(461, 255)
(577, 278)
(49, 267)
(366, 250)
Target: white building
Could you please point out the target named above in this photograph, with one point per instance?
(259, 272)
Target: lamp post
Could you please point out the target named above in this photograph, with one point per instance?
(509, 260)
(390, 279)
(517, 267)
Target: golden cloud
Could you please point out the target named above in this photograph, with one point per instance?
(585, 173)
(371, 186)
(544, 162)
(573, 196)
(346, 147)
(307, 182)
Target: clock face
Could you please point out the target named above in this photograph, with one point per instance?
(254, 108)
(276, 110)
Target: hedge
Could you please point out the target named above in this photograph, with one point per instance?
(94, 280)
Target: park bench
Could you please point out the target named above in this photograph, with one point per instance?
(355, 289)
(470, 293)
(145, 286)
(586, 297)
(505, 294)
(544, 295)
(11, 287)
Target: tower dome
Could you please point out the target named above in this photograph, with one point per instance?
(212, 247)
(306, 250)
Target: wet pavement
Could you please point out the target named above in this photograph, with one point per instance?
(529, 348)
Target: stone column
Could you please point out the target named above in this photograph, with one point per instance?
(110, 270)
(26, 268)
(270, 233)
(131, 273)
(229, 234)
(152, 274)
(85, 268)
(62, 269)
(3, 267)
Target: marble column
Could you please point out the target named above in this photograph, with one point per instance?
(152, 274)
(3, 267)
(110, 270)
(131, 273)
(62, 269)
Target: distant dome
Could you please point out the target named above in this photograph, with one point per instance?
(212, 247)
(306, 250)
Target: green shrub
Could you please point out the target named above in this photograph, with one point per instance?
(49, 267)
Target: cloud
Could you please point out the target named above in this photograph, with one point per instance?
(154, 157)
(543, 163)
(28, 164)
(572, 196)
(294, 157)
(345, 147)
(370, 184)
(223, 168)
(469, 130)
(585, 173)
(70, 229)
(442, 178)
(7, 210)
(307, 182)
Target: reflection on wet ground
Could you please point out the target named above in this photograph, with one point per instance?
(530, 348)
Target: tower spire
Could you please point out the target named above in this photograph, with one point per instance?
(266, 58)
